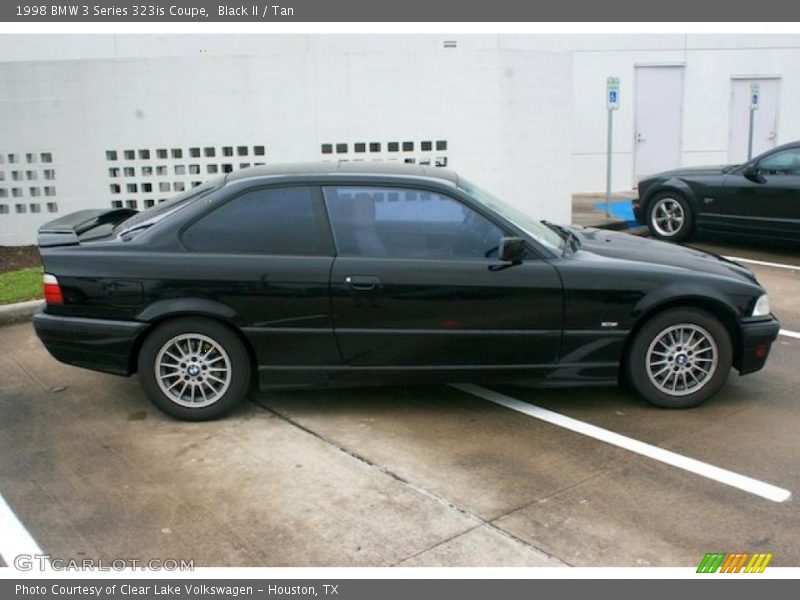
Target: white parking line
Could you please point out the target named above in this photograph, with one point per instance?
(791, 334)
(763, 263)
(748, 484)
(14, 538)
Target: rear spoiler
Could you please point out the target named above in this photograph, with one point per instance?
(66, 231)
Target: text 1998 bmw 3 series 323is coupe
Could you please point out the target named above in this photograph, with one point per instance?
(326, 274)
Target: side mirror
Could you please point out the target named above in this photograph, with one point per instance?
(751, 173)
(512, 249)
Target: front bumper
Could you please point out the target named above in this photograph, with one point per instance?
(97, 344)
(756, 338)
(636, 204)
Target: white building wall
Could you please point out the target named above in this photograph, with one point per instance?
(710, 63)
(76, 98)
(523, 115)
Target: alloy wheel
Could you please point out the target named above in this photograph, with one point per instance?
(667, 217)
(193, 370)
(682, 359)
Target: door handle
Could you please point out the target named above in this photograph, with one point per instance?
(362, 283)
(639, 137)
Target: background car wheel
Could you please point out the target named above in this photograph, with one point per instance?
(669, 217)
(194, 369)
(680, 358)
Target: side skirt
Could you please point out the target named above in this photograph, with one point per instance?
(561, 375)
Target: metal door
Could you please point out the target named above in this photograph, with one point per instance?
(659, 119)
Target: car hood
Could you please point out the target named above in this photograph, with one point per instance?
(624, 246)
(690, 171)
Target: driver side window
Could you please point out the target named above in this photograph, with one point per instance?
(786, 162)
(394, 222)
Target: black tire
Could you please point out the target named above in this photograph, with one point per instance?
(640, 372)
(668, 230)
(233, 356)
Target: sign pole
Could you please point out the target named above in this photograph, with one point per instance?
(612, 104)
(608, 161)
(755, 97)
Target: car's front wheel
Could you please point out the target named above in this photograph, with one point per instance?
(669, 217)
(194, 369)
(680, 358)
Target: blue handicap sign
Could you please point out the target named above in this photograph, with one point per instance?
(612, 96)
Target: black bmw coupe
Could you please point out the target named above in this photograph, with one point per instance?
(332, 274)
(759, 199)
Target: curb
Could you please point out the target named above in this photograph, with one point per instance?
(613, 225)
(19, 312)
(640, 230)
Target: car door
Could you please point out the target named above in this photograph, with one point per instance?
(417, 283)
(765, 200)
(267, 253)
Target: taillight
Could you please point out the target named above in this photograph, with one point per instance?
(52, 291)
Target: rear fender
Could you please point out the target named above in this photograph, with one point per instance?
(176, 307)
(189, 307)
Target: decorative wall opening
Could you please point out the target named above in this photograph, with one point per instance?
(141, 177)
(427, 152)
(20, 174)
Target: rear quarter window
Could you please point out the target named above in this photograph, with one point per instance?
(278, 221)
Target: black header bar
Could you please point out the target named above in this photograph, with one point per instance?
(205, 11)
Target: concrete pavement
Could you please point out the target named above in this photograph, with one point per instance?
(92, 470)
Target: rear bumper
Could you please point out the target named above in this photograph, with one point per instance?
(756, 339)
(97, 344)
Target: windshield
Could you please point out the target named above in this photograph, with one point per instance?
(537, 230)
(162, 209)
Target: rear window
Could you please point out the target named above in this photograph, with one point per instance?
(160, 210)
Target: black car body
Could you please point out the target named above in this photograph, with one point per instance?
(349, 274)
(759, 199)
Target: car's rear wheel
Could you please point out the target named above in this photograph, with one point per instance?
(194, 369)
(670, 217)
(680, 358)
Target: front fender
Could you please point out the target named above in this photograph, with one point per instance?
(674, 184)
(691, 293)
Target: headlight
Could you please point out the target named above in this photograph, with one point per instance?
(761, 309)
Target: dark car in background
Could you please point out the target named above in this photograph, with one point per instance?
(335, 274)
(759, 199)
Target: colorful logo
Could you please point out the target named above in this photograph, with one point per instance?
(738, 562)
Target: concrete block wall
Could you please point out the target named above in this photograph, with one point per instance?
(155, 114)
